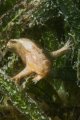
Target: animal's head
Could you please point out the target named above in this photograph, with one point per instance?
(13, 44)
(21, 44)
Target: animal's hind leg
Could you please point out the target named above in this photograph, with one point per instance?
(37, 78)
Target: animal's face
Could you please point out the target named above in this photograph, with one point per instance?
(12, 44)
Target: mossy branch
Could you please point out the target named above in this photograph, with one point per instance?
(23, 103)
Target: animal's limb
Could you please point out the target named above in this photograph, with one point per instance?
(22, 74)
(61, 51)
(37, 78)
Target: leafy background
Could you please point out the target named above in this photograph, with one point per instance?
(50, 23)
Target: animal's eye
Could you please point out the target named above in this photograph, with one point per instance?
(12, 41)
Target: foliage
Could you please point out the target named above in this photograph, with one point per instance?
(25, 104)
(50, 23)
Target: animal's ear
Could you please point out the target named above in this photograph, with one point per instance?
(13, 41)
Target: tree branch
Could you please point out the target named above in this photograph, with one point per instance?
(24, 104)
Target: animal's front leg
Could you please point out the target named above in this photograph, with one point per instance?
(22, 74)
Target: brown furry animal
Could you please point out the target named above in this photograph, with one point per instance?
(34, 58)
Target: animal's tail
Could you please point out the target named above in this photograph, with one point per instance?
(62, 50)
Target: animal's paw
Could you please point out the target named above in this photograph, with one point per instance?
(16, 79)
(34, 81)
(68, 45)
(37, 78)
